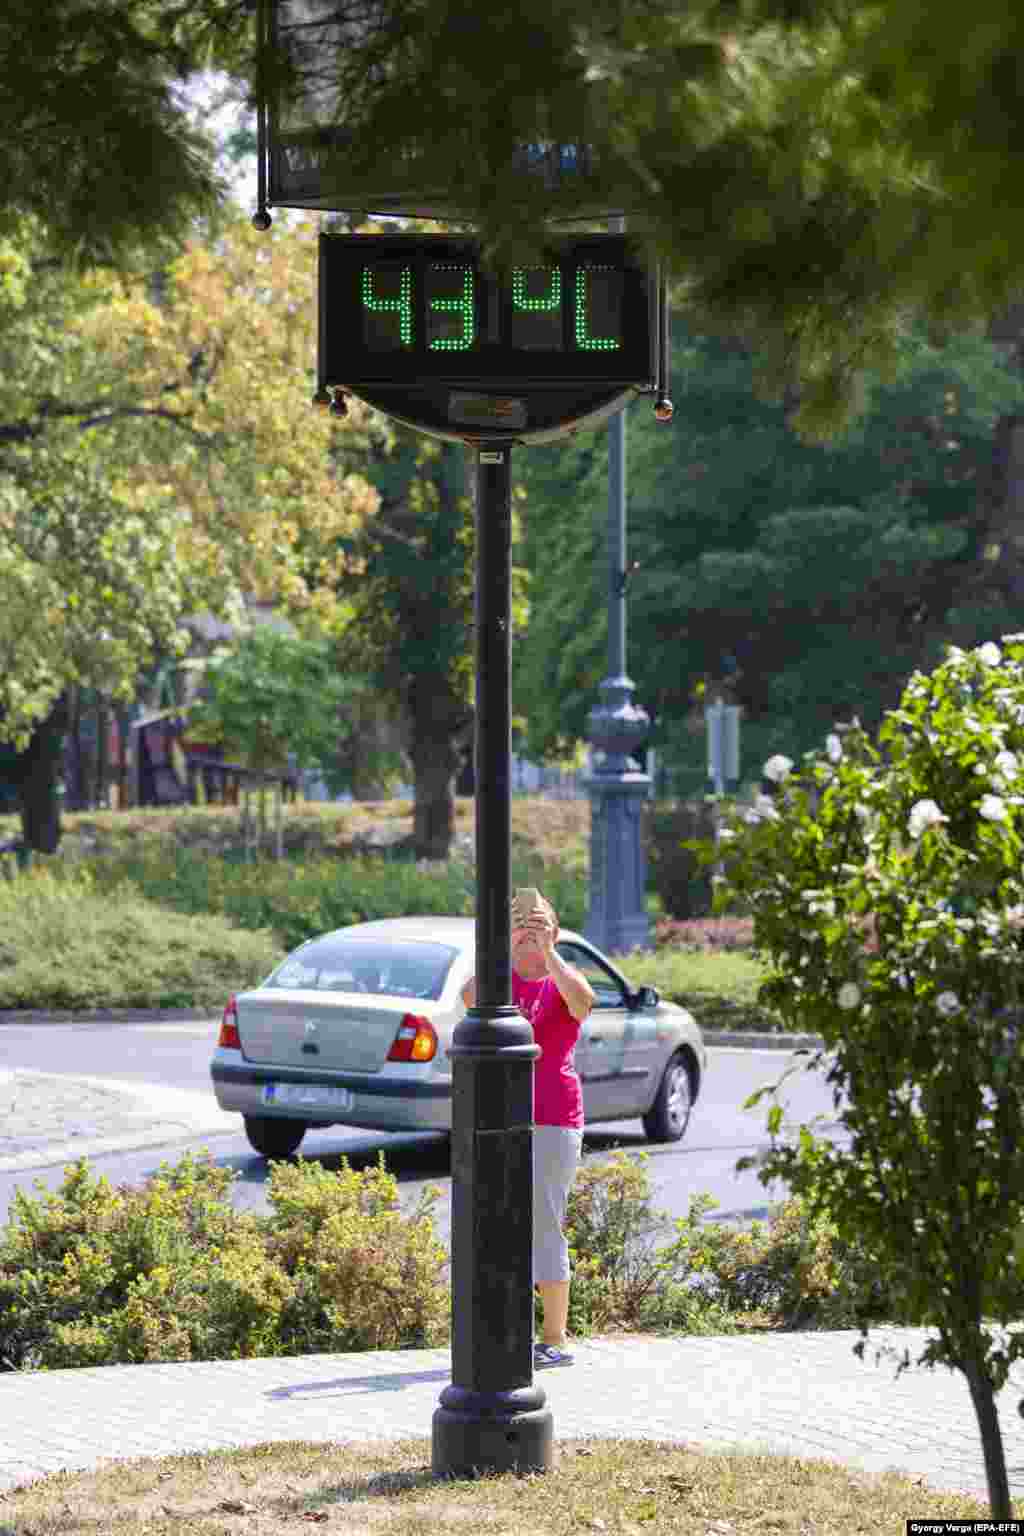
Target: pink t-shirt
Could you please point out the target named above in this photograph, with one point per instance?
(557, 1092)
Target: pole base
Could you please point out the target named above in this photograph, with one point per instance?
(467, 1441)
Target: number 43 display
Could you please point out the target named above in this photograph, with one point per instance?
(418, 317)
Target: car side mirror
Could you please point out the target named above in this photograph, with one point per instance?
(647, 997)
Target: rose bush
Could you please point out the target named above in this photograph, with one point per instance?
(886, 890)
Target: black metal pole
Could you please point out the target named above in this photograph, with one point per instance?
(492, 1416)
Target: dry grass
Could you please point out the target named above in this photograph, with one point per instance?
(617, 1487)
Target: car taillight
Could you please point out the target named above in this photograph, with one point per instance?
(229, 1026)
(416, 1040)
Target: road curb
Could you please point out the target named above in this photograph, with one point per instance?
(775, 1042)
(108, 1016)
(752, 1038)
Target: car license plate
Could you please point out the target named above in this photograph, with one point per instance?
(307, 1096)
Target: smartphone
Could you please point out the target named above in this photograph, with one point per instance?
(525, 900)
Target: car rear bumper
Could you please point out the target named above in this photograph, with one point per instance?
(381, 1103)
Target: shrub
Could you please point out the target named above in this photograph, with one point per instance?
(171, 1272)
(110, 947)
(673, 869)
(296, 900)
(705, 933)
(796, 1273)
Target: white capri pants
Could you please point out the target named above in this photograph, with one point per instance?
(556, 1156)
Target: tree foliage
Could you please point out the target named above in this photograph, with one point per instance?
(95, 138)
(273, 697)
(809, 578)
(159, 455)
(806, 171)
(892, 917)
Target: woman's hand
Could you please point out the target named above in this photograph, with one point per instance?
(544, 932)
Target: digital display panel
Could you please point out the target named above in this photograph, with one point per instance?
(385, 292)
(397, 308)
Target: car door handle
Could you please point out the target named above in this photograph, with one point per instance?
(595, 1039)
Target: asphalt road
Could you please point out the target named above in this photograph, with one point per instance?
(176, 1055)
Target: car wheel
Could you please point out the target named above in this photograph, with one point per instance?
(274, 1138)
(669, 1115)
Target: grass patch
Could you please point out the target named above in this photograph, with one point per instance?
(625, 1486)
(719, 988)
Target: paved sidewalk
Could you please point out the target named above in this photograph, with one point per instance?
(800, 1394)
(47, 1118)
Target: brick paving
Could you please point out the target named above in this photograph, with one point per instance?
(803, 1395)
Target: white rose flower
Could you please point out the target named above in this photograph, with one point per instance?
(1012, 639)
(777, 768)
(924, 814)
(834, 748)
(980, 770)
(764, 807)
(989, 653)
(992, 808)
(861, 812)
(1006, 764)
(828, 907)
(849, 995)
(947, 1003)
(751, 818)
(725, 835)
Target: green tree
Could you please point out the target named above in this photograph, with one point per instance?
(818, 576)
(892, 919)
(274, 698)
(149, 463)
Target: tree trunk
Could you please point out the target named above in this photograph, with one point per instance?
(39, 767)
(438, 725)
(102, 754)
(124, 763)
(984, 1401)
(75, 782)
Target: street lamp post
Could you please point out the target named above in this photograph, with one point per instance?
(492, 1414)
(617, 920)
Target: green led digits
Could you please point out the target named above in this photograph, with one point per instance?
(552, 299)
(399, 304)
(606, 298)
(451, 318)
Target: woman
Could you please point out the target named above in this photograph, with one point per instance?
(556, 998)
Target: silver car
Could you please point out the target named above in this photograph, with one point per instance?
(352, 1029)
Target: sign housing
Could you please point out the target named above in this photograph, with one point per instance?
(416, 326)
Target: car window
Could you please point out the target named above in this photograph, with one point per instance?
(381, 967)
(607, 992)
